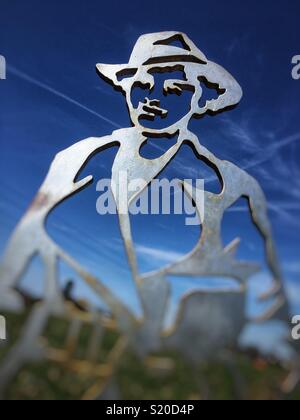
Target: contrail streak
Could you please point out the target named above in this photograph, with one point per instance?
(268, 153)
(55, 92)
(271, 150)
(44, 86)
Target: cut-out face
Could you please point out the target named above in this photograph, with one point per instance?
(159, 96)
(161, 102)
(165, 83)
(167, 95)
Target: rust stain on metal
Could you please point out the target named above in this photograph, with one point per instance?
(40, 201)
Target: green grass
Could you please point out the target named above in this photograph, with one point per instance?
(52, 381)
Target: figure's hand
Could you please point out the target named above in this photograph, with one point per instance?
(274, 291)
(83, 182)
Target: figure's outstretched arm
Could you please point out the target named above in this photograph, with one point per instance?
(30, 237)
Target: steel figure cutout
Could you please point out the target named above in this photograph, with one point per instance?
(203, 315)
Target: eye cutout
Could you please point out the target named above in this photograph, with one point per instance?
(126, 74)
(175, 73)
(172, 79)
(141, 85)
(177, 86)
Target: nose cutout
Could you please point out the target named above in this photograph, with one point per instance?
(154, 108)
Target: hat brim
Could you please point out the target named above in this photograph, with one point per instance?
(113, 73)
(215, 74)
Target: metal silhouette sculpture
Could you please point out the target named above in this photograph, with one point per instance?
(213, 320)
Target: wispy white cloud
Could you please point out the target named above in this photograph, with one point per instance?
(293, 267)
(271, 151)
(286, 213)
(293, 291)
(157, 254)
(263, 146)
(243, 132)
(281, 208)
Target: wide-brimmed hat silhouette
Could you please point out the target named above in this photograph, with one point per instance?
(175, 47)
(160, 47)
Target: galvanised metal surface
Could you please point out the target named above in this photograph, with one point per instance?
(208, 321)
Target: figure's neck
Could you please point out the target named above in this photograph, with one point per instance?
(166, 133)
(183, 135)
(181, 132)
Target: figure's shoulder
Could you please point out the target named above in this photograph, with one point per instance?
(76, 155)
(92, 144)
(122, 134)
(86, 145)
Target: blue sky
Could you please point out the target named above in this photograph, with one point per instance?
(53, 97)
